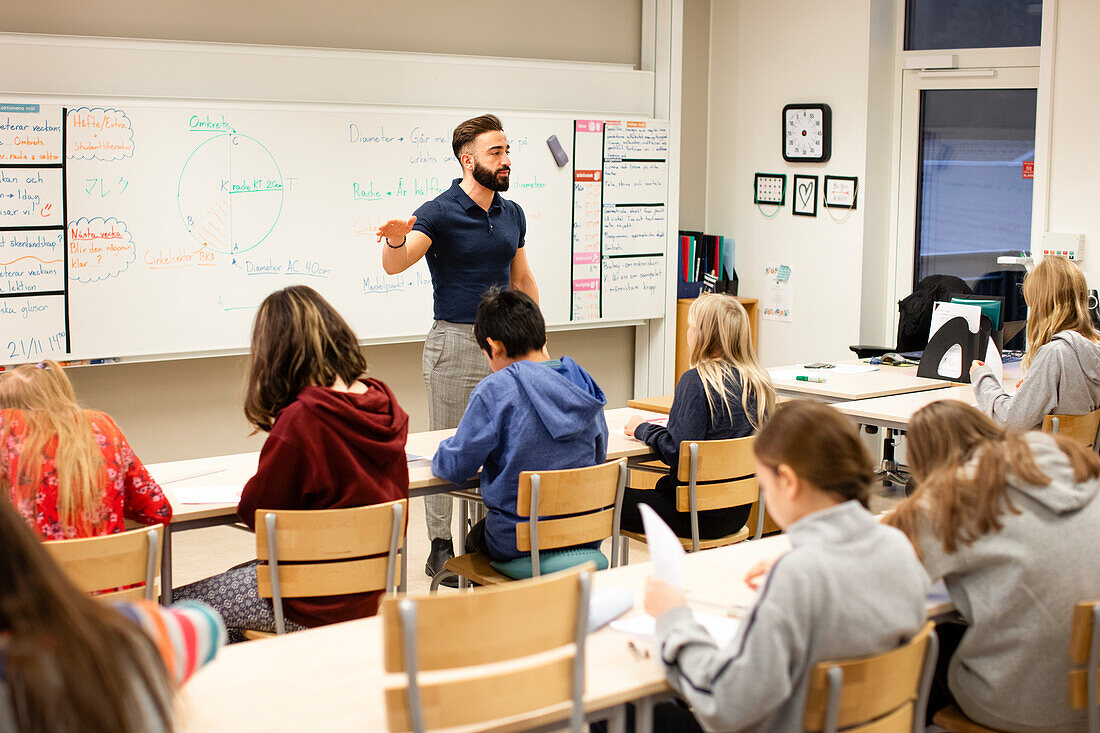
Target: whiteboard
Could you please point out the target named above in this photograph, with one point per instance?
(166, 222)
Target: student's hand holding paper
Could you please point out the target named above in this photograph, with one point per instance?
(660, 597)
(975, 365)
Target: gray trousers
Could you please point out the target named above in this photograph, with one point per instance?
(453, 365)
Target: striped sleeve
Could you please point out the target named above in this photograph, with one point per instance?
(187, 634)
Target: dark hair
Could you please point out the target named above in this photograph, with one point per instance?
(820, 446)
(298, 341)
(512, 318)
(71, 662)
(468, 131)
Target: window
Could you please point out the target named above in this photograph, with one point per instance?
(936, 24)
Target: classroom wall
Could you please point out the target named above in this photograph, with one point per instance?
(171, 410)
(772, 54)
(693, 114)
(182, 409)
(1075, 159)
(575, 30)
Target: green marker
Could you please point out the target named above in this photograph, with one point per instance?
(802, 378)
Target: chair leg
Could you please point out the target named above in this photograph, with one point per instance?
(624, 551)
(440, 577)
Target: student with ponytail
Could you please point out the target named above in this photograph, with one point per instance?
(1008, 520)
(69, 471)
(72, 663)
(848, 587)
(725, 394)
(1062, 360)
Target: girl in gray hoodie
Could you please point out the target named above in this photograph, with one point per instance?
(1063, 353)
(1008, 520)
(848, 587)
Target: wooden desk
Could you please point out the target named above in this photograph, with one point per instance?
(338, 678)
(662, 404)
(236, 469)
(895, 411)
(887, 380)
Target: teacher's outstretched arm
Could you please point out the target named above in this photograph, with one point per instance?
(521, 277)
(404, 247)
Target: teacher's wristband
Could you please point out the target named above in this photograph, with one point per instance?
(397, 246)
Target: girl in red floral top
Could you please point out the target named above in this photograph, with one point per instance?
(69, 471)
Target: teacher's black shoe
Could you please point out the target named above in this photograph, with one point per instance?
(442, 551)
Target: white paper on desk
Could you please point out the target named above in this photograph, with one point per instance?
(778, 375)
(665, 551)
(229, 494)
(721, 628)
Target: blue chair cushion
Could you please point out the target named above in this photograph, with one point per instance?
(551, 561)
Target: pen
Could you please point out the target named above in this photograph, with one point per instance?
(637, 651)
(802, 378)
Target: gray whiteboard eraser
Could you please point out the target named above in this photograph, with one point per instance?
(560, 156)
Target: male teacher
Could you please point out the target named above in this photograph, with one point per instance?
(473, 238)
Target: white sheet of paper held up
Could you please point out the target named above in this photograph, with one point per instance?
(665, 550)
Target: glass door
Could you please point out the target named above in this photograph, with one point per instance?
(968, 149)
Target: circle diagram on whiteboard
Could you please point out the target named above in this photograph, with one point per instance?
(230, 193)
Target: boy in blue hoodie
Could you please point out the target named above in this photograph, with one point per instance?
(532, 413)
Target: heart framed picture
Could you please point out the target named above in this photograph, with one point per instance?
(804, 196)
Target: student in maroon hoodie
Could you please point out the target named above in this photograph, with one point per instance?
(335, 439)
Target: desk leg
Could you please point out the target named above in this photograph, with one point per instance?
(166, 567)
(643, 715)
(616, 721)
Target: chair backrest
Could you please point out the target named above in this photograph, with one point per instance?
(529, 635)
(878, 693)
(724, 476)
(112, 562)
(1081, 428)
(568, 507)
(327, 552)
(1084, 648)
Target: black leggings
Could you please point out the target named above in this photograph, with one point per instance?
(713, 523)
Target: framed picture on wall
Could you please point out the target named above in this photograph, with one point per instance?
(840, 192)
(804, 200)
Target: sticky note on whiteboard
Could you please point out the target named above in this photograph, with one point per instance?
(557, 151)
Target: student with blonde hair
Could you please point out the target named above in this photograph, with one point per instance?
(848, 587)
(1008, 520)
(335, 439)
(67, 470)
(725, 394)
(1062, 360)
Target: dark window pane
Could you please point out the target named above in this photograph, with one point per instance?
(973, 201)
(933, 24)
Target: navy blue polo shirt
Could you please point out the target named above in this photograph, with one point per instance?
(472, 249)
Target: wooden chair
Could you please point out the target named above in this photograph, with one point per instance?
(326, 552)
(110, 566)
(1081, 428)
(716, 474)
(565, 508)
(1084, 685)
(506, 658)
(882, 693)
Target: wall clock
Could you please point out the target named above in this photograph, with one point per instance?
(807, 133)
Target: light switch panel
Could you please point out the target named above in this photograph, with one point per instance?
(770, 188)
